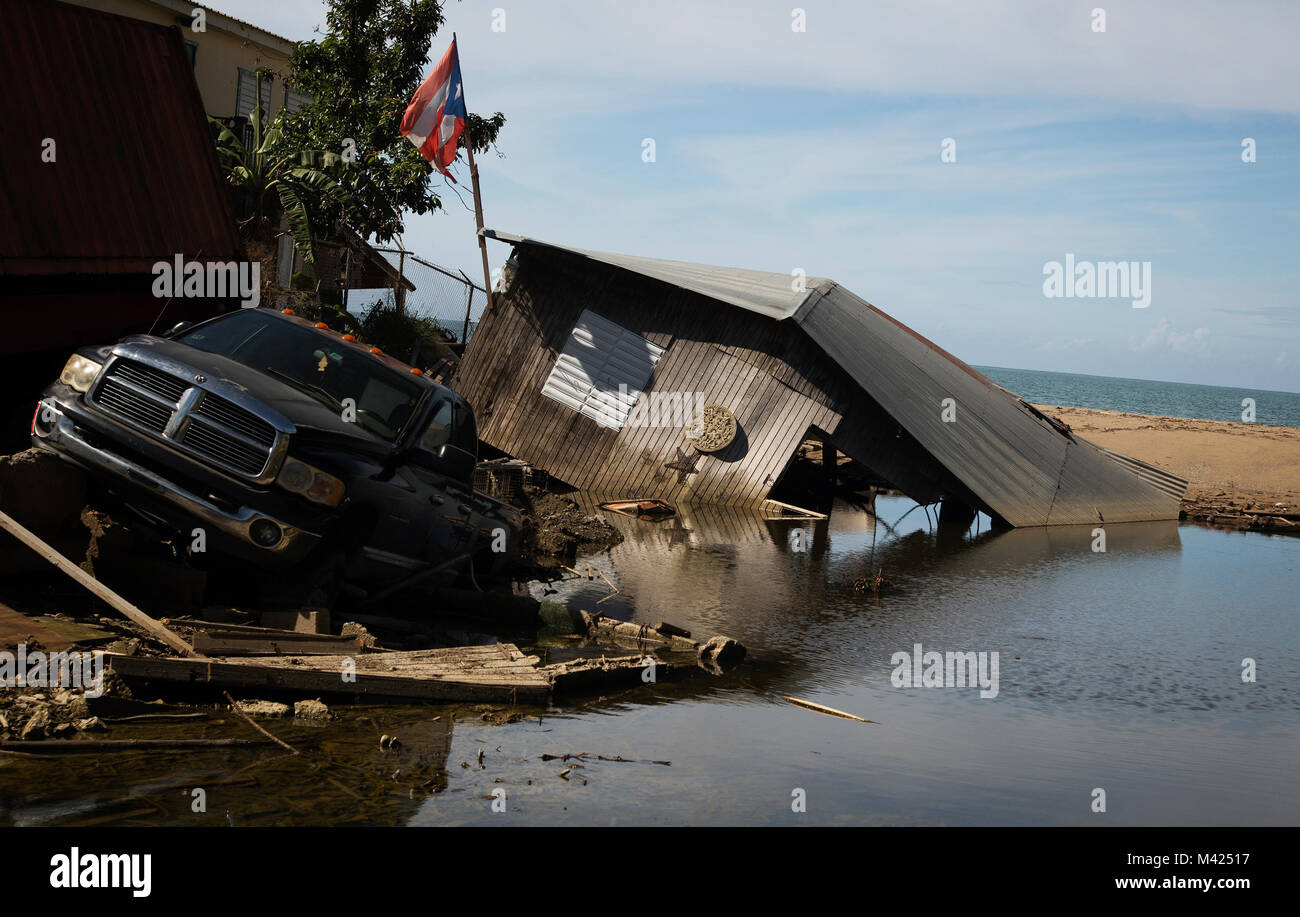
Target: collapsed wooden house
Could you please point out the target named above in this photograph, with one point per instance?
(577, 343)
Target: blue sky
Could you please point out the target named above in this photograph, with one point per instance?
(820, 150)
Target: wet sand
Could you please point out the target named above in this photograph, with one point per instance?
(1230, 467)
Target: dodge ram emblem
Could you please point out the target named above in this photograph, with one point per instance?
(200, 379)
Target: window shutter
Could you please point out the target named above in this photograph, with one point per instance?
(598, 357)
(246, 91)
(294, 100)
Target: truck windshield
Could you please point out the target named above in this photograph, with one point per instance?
(323, 368)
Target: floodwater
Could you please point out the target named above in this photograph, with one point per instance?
(1118, 671)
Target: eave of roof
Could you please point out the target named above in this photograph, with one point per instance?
(774, 295)
(228, 23)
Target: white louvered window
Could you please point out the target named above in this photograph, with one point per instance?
(294, 100)
(599, 357)
(246, 94)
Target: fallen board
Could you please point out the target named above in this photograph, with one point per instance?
(498, 673)
(238, 643)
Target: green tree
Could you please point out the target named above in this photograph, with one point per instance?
(361, 76)
(273, 179)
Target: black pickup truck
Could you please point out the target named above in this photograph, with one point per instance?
(266, 437)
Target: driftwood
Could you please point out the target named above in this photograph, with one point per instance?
(235, 707)
(638, 635)
(808, 705)
(135, 615)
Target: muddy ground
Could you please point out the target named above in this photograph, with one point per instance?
(556, 529)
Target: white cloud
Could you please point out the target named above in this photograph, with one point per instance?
(1150, 52)
(1066, 346)
(1164, 337)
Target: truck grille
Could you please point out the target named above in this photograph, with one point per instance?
(208, 426)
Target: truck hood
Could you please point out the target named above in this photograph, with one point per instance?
(309, 420)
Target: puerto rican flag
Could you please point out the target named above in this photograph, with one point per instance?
(435, 119)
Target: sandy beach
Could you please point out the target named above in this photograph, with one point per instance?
(1234, 469)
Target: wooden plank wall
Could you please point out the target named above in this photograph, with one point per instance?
(768, 373)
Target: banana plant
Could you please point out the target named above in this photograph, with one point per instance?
(303, 181)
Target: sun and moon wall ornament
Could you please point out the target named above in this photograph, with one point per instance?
(717, 432)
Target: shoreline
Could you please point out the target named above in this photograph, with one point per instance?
(1241, 476)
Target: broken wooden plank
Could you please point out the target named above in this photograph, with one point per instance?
(446, 675)
(591, 675)
(269, 633)
(790, 511)
(627, 633)
(233, 643)
(75, 746)
(135, 615)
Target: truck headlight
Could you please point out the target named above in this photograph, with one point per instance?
(300, 478)
(79, 372)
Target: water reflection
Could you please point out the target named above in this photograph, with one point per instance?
(1118, 668)
(341, 777)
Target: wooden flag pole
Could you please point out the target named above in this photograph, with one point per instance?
(478, 199)
(478, 219)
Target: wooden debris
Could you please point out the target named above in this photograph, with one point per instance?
(234, 706)
(638, 635)
(609, 672)
(495, 673)
(154, 717)
(303, 621)
(808, 705)
(135, 615)
(234, 643)
(588, 756)
(648, 509)
(79, 746)
(819, 708)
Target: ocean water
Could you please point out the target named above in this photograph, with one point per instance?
(1120, 670)
(1142, 396)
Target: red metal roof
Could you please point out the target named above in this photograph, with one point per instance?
(135, 179)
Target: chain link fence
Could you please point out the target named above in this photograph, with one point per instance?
(447, 297)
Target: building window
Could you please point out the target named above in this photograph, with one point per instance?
(245, 94)
(598, 358)
(294, 100)
(193, 48)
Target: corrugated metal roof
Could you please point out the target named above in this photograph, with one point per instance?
(773, 295)
(135, 177)
(1008, 455)
(1023, 467)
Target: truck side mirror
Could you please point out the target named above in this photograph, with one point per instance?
(455, 462)
(450, 460)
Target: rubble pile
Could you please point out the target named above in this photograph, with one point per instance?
(555, 526)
